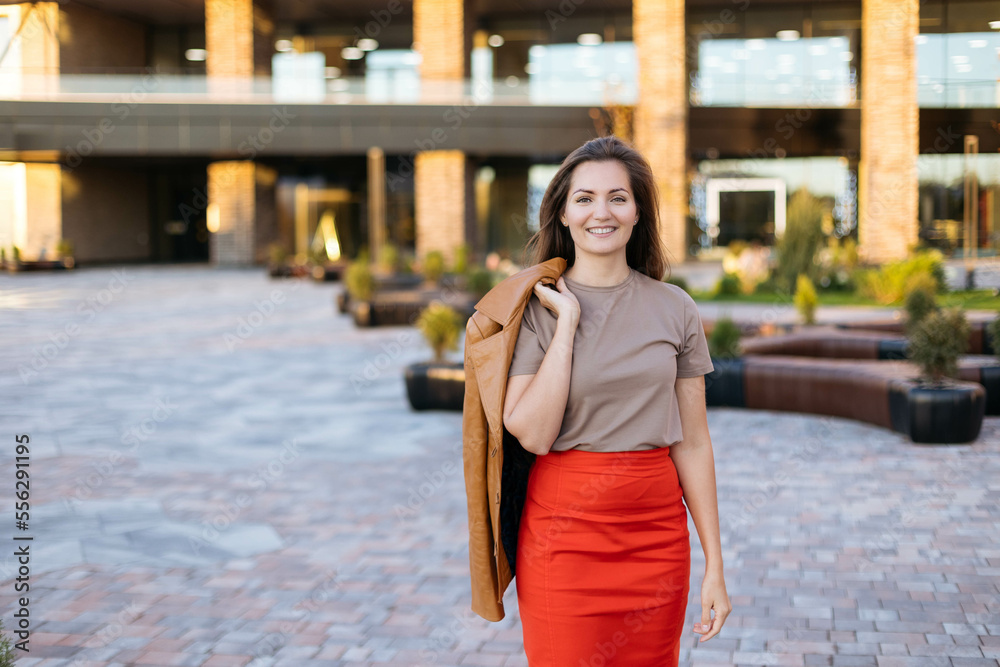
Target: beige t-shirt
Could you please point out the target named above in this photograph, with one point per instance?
(633, 340)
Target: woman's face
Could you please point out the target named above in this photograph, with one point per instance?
(600, 209)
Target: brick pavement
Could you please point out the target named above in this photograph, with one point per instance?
(210, 487)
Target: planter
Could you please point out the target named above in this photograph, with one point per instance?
(397, 281)
(402, 308)
(41, 265)
(343, 300)
(724, 385)
(941, 415)
(328, 272)
(288, 270)
(436, 385)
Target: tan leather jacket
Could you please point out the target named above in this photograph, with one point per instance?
(496, 466)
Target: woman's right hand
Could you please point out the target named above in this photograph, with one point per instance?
(562, 302)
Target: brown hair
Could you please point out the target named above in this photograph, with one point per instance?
(644, 251)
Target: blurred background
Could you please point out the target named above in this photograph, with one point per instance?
(233, 131)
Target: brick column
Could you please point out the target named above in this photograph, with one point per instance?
(232, 210)
(661, 113)
(887, 187)
(238, 38)
(439, 175)
(439, 182)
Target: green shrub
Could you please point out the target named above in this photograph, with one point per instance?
(359, 281)
(920, 300)
(433, 266)
(724, 341)
(802, 238)
(388, 260)
(805, 299)
(838, 261)
(728, 285)
(277, 253)
(15, 254)
(993, 331)
(887, 284)
(679, 281)
(6, 650)
(441, 325)
(936, 343)
(461, 264)
(64, 248)
(480, 281)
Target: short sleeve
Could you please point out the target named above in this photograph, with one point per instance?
(528, 351)
(694, 359)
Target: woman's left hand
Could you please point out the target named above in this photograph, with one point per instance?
(713, 596)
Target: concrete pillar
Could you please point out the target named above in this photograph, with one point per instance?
(232, 211)
(376, 201)
(887, 187)
(439, 175)
(30, 209)
(661, 113)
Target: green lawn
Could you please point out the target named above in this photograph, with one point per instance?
(974, 299)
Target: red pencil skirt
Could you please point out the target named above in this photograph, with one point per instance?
(603, 560)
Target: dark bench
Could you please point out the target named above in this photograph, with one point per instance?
(882, 393)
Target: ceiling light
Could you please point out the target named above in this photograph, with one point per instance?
(196, 55)
(977, 43)
(352, 53)
(788, 35)
(994, 25)
(367, 44)
(589, 39)
(756, 44)
(283, 45)
(495, 41)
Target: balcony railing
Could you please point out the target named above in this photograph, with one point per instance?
(156, 87)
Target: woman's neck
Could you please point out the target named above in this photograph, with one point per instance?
(592, 273)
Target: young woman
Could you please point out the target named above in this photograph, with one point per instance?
(606, 387)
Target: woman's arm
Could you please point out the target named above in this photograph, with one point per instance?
(695, 465)
(534, 405)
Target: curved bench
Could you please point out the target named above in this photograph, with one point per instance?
(882, 393)
(979, 339)
(831, 343)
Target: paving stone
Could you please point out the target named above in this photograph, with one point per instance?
(259, 513)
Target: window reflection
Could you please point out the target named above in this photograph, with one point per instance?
(784, 71)
(958, 69)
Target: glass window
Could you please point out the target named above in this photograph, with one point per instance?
(958, 69)
(783, 71)
(576, 74)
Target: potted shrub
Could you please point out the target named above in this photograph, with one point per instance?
(64, 250)
(941, 409)
(277, 261)
(438, 384)
(724, 385)
(359, 284)
(805, 299)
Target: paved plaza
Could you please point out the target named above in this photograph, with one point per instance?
(225, 471)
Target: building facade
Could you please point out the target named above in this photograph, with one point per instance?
(224, 130)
